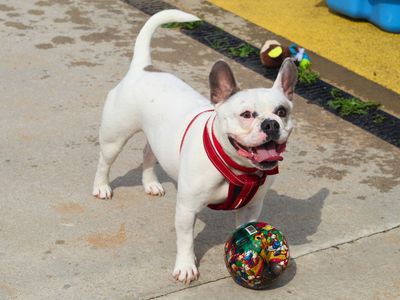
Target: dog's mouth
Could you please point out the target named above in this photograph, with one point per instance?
(265, 156)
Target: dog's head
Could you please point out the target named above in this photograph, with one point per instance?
(253, 124)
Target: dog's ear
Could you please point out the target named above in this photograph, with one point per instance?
(222, 82)
(287, 78)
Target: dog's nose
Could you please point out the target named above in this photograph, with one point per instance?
(271, 128)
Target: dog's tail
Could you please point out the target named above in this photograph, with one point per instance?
(141, 57)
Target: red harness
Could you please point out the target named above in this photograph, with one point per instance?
(242, 187)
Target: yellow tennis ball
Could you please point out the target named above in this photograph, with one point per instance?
(276, 52)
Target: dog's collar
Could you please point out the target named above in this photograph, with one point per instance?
(222, 154)
(242, 187)
(218, 156)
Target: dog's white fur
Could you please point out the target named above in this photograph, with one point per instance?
(161, 105)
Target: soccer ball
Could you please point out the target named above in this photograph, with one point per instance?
(256, 254)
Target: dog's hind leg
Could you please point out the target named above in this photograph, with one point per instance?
(109, 151)
(151, 184)
(118, 125)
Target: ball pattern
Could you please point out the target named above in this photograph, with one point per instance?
(256, 254)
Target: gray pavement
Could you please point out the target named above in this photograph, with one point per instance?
(336, 199)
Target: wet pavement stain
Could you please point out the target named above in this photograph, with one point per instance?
(36, 12)
(381, 183)
(328, 172)
(52, 2)
(44, 3)
(17, 25)
(320, 149)
(349, 158)
(13, 15)
(4, 7)
(389, 176)
(302, 153)
(60, 40)
(72, 145)
(127, 54)
(77, 16)
(83, 28)
(115, 11)
(108, 35)
(83, 64)
(104, 240)
(44, 46)
(60, 20)
(123, 44)
(93, 140)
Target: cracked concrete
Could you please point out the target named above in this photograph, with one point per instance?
(338, 187)
(340, 272)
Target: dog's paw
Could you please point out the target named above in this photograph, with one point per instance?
(185, 273)
(154, 188)
(102, 191)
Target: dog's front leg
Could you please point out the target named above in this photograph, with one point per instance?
(185, 265)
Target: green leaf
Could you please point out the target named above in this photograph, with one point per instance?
(184, 25)
(307, 76)
(352, 106)
(243, 50)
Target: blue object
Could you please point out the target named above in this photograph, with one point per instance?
(293, 51)
(383, 13)
(301, 56)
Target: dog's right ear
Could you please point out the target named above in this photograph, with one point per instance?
(287, 78)
(222, 82)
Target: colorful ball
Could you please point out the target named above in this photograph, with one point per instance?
(256, 254)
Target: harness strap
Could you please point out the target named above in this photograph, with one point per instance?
(226, 157)
(217, 161)
(190, 124)
(242, 188)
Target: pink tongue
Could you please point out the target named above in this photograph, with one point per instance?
(245, 153)
(268, 153)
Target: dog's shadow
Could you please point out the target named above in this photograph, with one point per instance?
(296, 218)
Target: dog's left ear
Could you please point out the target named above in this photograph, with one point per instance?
(287, 78)
(222, 82)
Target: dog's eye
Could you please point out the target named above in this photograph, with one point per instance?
(247, 114)
(281, 112)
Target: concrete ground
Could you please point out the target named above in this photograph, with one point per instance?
(336, 198)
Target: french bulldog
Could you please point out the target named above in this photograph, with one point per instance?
(251, 126)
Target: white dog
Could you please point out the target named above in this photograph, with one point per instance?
(219, 152)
